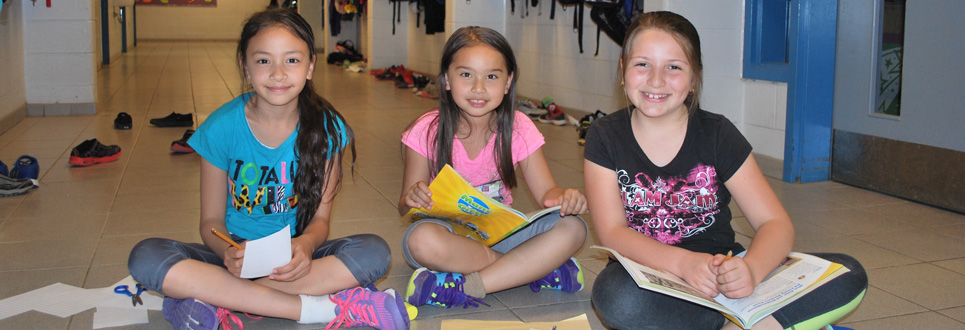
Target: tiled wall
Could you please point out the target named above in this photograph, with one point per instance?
(58, 53)
(13, 98)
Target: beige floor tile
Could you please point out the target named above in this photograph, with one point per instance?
(93, 189)
(29, 229)
(879, 304)
(851, 221)
(64, 208)
(957, 313)
(928, 320)
(871, 256)
(152, 222)
(47, 253)
(923, 284)
(921, 244)
(858, 197)
(955, 265)
(133, 203)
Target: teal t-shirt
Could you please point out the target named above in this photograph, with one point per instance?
(261, 199)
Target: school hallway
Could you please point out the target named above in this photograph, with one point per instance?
(78, 227)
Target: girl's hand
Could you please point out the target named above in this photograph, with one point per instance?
(699, 271)
(300, 265)
(418, 196)
(234, 259)
(734, 278)
(571, 201)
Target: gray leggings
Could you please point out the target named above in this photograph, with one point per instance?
(367, 256)
(538, 226)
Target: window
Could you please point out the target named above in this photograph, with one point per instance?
(890, 50)
(766, 33)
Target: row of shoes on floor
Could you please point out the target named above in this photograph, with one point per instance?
(420, 84)
(548, 113)
(21, 178)
(124, 121)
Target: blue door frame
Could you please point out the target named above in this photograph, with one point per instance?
(810, 90)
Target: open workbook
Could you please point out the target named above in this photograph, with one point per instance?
(799, 274)
(472, 213)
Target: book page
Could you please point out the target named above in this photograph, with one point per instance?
(663, 282)
(798, 273)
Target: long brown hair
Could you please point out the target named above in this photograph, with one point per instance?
(449, 113)
(320, 127)
(686, 36)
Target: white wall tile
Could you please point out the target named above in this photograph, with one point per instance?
(724, 96)
(63, 36)
(761, 102)
(766, 141)
(59, 10)
(58, 69)
(722, 53)
(60, 94)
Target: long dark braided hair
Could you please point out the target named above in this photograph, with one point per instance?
(320, 127)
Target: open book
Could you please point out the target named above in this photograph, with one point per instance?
(472, 213)
(799, 274)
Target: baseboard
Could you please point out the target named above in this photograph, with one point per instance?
(770, 166)
(13, 118)
(913, 171)
(61, 109)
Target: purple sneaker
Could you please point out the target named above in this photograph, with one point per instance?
(440, 289)
(568, 278)
(194, 314)
(362, 307)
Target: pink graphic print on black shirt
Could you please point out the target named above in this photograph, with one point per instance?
(670, 209)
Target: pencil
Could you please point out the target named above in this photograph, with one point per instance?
(729, 253)
(226, 238)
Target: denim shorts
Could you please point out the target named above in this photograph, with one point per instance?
(538, 226)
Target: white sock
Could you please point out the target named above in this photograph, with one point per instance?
(316, 309)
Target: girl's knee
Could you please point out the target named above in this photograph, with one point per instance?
(146, 261)
(426, 241)
(366, 256)
(573, 226)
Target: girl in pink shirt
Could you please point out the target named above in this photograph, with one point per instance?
(477, 131)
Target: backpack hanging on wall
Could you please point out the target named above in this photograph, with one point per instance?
(613, 17)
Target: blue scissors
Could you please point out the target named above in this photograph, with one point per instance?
(135, 297)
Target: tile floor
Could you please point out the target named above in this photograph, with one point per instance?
(79, 226)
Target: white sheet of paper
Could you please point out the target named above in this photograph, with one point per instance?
(114, 317)
(64, 300)
(267, 253)
(12, 307)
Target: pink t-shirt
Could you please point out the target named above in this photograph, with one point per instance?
(481, 172)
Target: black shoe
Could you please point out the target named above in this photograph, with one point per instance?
(174, 120)
(123, 121)
(92, 152)
(181, 146)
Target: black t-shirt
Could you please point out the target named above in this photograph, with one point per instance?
(685, 202)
